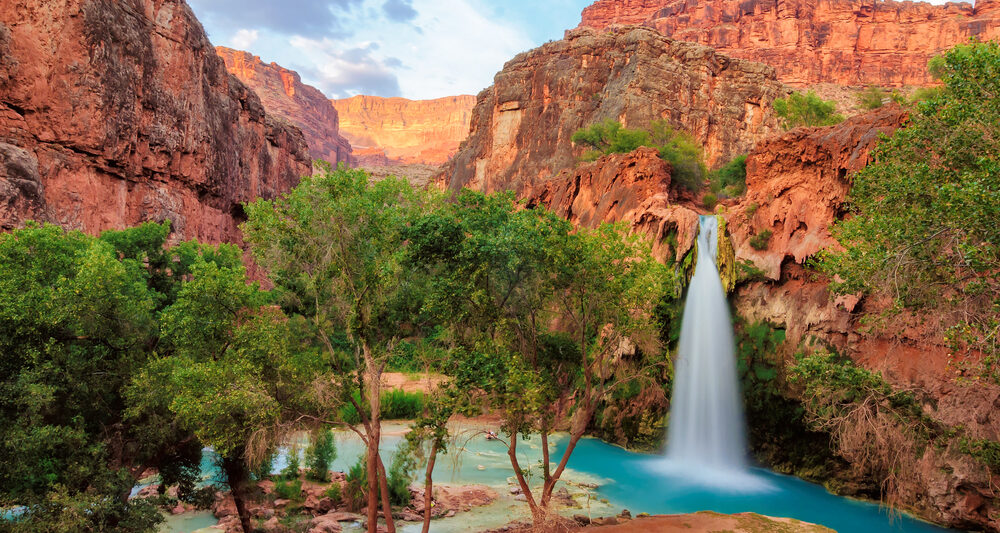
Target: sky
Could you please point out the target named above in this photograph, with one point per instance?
(417, 49)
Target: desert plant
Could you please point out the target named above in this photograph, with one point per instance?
(320, 454)
(334, 492)
(761, 240)
(806, 109)
(354, 491)
(291, 470)
(731, 178)
(709, 200)
(289, 490)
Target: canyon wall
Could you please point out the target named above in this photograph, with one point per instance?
(389, 131)
(116, 112)
(285, 96)
(848, 42)
(522, 125)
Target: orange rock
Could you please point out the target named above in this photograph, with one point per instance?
(849, 42)
(392, 131)
(283, 95)
(116, 112)
(522, 126)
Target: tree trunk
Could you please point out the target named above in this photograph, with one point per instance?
(523, 483)
(429, 488)
(236, 477)
(383, 482)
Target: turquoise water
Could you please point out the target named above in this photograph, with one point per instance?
(629, 480)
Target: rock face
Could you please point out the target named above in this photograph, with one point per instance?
(285, 96)
(633, 188)
(392, 131)
(849, 42)
(115, 112)
(797, 184)
(521, 126)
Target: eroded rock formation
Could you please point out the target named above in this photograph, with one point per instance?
(115, 112)
(285, 96)
(522, 125)
(392, 131)
(849, 42)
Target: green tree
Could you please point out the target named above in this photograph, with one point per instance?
(504, 277)
(320, 455)
(925, 229)
(333, 247)
(806, 109)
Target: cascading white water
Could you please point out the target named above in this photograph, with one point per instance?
(707, 434)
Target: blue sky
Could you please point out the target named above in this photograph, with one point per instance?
(412, 48)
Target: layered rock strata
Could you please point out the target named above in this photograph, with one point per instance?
(283, 95)
(522, 126)
(115, 112)
(394, 131)
(848, 42)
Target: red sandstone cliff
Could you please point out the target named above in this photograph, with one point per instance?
(400, 131)
(522, 125)
(115, 112)
(285, 96)
(849, 42)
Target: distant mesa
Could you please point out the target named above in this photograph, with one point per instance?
(390, 131)
(848, 42)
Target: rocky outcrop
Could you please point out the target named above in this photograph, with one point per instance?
(849, 42)
(285, 96)
(522, 125)
(393, 131)
(796, 187)
(633, 188)
(115, 112)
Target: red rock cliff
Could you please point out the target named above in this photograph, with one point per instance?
(285, 96)
(848, 42)
(115, 112)
(401, 131)
(522, 125)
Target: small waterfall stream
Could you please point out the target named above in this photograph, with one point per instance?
(707, 433)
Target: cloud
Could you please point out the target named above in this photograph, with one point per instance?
(399, 10)
(341, 73)
(244, 39)
(311, 18)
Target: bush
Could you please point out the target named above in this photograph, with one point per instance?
(397, 404)
(320, 454)
(709, 200)
(730, 178)
(291, 470)
(751, 209)
(334, 492)
(355, 495)
(807, 109)
(874, 97)
(678, 148)
(400, 476)
(263, 470)
(289, 490)
(761, 240)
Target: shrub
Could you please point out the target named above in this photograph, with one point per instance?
(730, 178)
(334, 492)
(355, 496)
(751, 209)
(807, 109)
(709, 200)
(397, 404)
(289, 490)
(263, 470)
(291, 470)
(400, 476)
(761, 240)
(320, 454)
(609, 137)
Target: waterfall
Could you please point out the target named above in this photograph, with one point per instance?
(707, 434)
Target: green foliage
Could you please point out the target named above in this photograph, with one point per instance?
(293, 466)
(925, 224)
(806, 109)
(334, 492)
(397, 404)
(984, 450)
(761, 240)
(356, 486)
(289, 489)
(320, 455)
(709, 200)
(679, 148)
(873, 97)
(751, 209)
(400, 476)
(731, 178)
(263, 469)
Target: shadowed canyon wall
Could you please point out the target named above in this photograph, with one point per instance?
(285, 96)
(522, 125)
(388, 131)
(848, 42)
(116, 112)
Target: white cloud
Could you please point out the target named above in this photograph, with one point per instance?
(244, 39)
